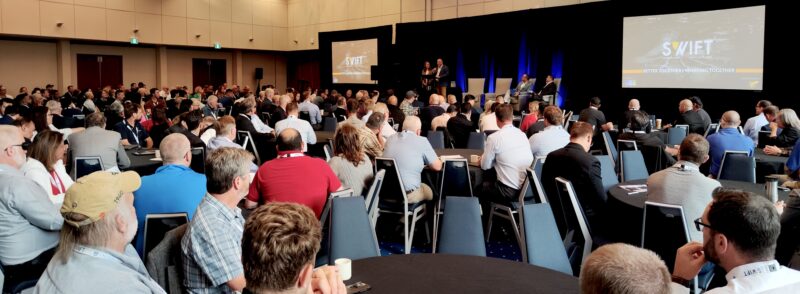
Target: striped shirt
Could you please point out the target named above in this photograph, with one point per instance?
(212, 247)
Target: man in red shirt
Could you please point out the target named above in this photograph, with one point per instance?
(293, 177)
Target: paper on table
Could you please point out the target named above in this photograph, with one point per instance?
(633, 189)
(443, 157)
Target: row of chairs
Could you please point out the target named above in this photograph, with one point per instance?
(84, 165)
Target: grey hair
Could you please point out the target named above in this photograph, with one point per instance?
(789, 118)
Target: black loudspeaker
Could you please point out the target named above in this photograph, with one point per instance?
(374, 73)
(259, 73)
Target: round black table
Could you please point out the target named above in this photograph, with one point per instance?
(768, 164)
(442, 273)
(142, 164)
(637, 199)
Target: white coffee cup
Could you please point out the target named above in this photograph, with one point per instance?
(474, 158)
(658, 123)
(343, 265)
(158, 153)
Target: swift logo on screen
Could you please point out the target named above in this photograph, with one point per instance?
(690, 48)
(355, 60)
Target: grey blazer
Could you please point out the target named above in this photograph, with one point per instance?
(96, 141)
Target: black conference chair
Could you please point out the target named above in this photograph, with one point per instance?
(436, 138)
(578, 238)
(393, 199)
(157, 225)
(737, 166)
(198, 163)
(462, 232)
(476, 140)
(246, 140)
(329, 124)
(455, 181)
(84, 165)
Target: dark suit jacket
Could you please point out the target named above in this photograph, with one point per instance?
(277, 115)
(459, 128)
(787, 138)
(443, 74)
(789, 238)
(396, 114)
(263, 142)
(426, 116)
(656, 158)
(583, 170)
(536, 127)
(695, 122)
(623, 124)
(548, 89)
(705, 117)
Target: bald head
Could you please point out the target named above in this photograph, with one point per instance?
(730, 119)
(174, 149)
(290, 140)
(392, 100)
(686, 105)
(412, 124)
(10, 151)
(634, 104)
(434, 100)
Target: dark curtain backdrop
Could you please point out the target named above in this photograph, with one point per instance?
(582, 45)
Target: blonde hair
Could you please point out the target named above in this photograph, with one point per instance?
(622, 268)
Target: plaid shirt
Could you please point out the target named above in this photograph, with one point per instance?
(212, 247)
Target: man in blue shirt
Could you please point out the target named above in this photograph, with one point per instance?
(312, 109)
(174, 188)
(727, 138)
(131, 130)
(412, 153)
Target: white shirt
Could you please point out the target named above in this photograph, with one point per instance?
(551, 138)
(387, 130)
(313, 111)
(65, 131)
(259, 125)
(440, 121)
(753, 125)
(209, 134)
(365, 118)
(36, 171)
(488, 122)
(507, 150)
(302, 126)
(758, 277)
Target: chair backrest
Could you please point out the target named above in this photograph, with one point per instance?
(488, 133)
(476, 140)
(576, 221)
(607, 172)
(329, 124)
(157, 225)
(676, 134)
(737, 166)
(537, 165)
(534, 188)
(711, 129)
(763, 137)
(84, 165)
(632, 165)
(436, 138)
(610, 148)
(475, 87)
(567, 121)
(544, 245)
(664, 230)
(373, 197)
(351, 233)
(462, 232)
(623, 145)
(392, 190)
(740, 129)
(455, 178)
(501, 86)
(325, 215)
(247, 142)
(198, 163)
(305, 115)
(328, 152)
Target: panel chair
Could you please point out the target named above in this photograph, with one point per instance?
(542, 240)
(508, 212)
(198, 163)
(462, 232)
(632, 166)
(372, 197)
(351, 233)
(475, 87)
(84, 165)
(248, 144)
(578, 230)
(436, 138)
(393, 199)
(737, 166)
(157, 225)
(611, 149)
(558, 97)
(711, 129)
(476, 140)
(455, 181)
(501, 86)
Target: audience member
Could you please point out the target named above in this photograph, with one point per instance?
(352, 114)
(100, 223)
(506, 151)
(293, 177)
(697, 106)
(622, 268)
(754, 124)
(633, 107)
(212, 107)
(301, 126)
(280, 242)
(441, 120)
(192, 122)
(173, 188)
(306, 105)
(740, 230)
(459, 127)
(45, 165)
(29, 222)
(531, 117)
(412, 153)
(727, 138)
(350, 164)
(788, 122)
(691, 118)
(211, 249)
(428, 113)
(488, 119)
(386, 129)
(96, 141)
(407, 106)
(595, 117)
(639, 131)
(553, 136)
(131, 131)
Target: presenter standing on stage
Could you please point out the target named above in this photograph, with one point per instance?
(442, 76)
(426, 79)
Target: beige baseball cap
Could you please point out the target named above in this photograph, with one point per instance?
(98, 193)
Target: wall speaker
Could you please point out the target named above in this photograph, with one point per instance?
(259, 73)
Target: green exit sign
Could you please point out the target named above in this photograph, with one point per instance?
(134, 41)
(217, 45)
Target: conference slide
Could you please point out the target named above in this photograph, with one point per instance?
(719, 49)
(351, 61)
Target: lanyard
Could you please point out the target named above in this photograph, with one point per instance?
(96, 253)
(293, 154)
(56, 183)
(135, 131)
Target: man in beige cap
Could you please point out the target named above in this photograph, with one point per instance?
(95, 254)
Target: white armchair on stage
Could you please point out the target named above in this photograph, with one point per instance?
(475, 87)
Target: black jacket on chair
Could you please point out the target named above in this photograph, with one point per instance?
(459, 128)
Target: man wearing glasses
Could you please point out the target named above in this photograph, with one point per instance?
(29, 223)
(740, 230)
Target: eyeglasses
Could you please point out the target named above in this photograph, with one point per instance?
(698, 224)
(21, 145)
